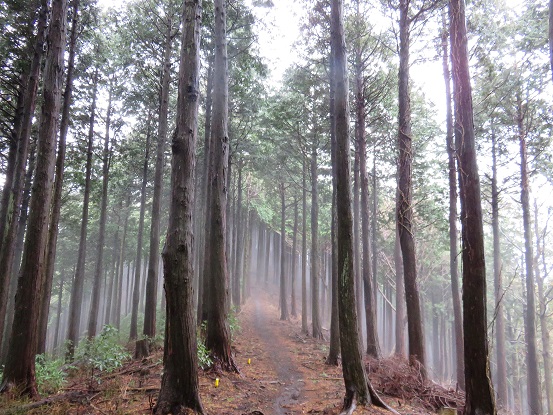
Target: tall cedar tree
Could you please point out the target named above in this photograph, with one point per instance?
(453, 238)
(218, 331)
(283, 303)
(358, 387)
(479, 393)
(73, 331)
(304, 327)
(179, 385)
(334, 347)
(58, 184)
(138, 269)
(153, 264)
(532, 371)
(99, 268)
(405, 200)
(501, 377)
(317, 330)
(21, 139)
(19, 371)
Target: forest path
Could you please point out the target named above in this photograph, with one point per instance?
(276, 336)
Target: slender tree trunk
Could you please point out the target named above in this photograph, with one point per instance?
(19, 371)
(543, 302)
(138, 271)
(501, 385)
(120, 271)
(179, 385)
(239, 242)
(304, 328)
(479, 393)
(334, 348)
(373, 347)
(533, 386)
(356, 236)
(405, 201)
(153, 265)
(374, 244)
(268, 238)
(400, 297)
(283, 303)
(294, 260)
(316, 328)
(15, 191)
(97, 284)
(218, 332)
(113, 272)
(78, 281)
(204, 195)
(453, 238)
(58, 185)
(58, 314)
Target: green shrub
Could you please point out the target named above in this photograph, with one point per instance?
(204, 360)
(50, 376)
(233, 322)
(103, 353)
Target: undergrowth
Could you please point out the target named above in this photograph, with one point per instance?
(103, 353)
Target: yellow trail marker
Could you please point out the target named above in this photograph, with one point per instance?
(249, 361)
(216, 382)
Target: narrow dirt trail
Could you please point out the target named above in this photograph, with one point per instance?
(289, 378)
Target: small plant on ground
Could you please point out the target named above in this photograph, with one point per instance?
(204, 361)
(50, 376)
(103, 353)
(233, 322)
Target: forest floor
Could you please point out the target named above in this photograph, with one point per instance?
(282, 372)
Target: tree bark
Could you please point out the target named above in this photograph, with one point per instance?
(405, 201)
(78, 282)
(532, 372)
(19, 371)
(97, 284)
(138, 270)
(22, 137)
(218, 332)
(479, 393)
(453, 239)
(58, 185)
(179, 385)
